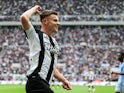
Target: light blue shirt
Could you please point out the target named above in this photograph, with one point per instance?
(121, 77)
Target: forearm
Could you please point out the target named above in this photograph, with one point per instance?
(27, 14)
(25, 17)
(59, 76)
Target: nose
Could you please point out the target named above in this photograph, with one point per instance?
(58, 23)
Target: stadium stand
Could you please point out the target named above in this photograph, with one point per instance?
(83, 47)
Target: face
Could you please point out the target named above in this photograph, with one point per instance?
(52, 23)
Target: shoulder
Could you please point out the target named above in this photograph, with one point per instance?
(31, 28)
(31, 32)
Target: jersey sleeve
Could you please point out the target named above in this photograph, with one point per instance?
(30, 33)
(32, 38)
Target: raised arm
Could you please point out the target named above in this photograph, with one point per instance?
(60, 77)
(25, 17)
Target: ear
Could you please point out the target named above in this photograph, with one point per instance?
(45, 21)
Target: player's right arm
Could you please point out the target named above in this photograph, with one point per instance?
(25, 17)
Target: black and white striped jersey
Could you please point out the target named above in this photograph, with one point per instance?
(44, 52)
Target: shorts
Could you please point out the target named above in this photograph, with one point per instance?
(36, 84)
(119, 88)
(90, 81)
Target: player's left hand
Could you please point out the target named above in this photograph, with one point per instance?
(67, 85)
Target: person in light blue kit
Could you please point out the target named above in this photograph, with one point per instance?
(120, 84)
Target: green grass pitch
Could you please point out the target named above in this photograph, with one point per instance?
(76, 89)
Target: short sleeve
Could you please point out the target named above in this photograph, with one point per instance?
(30, 33)
(32, 38)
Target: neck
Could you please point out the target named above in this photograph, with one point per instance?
(46, 31)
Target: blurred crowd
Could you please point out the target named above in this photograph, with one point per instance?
(83, 49)
(83, 10)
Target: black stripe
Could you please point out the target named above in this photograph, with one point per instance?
(52, 62)
(41, 56)
(25, 34)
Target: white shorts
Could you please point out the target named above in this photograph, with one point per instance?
(119, 88)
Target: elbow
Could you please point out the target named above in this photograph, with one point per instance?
(24, 22)
(22, 18)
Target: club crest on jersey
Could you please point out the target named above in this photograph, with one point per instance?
(54, 50)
